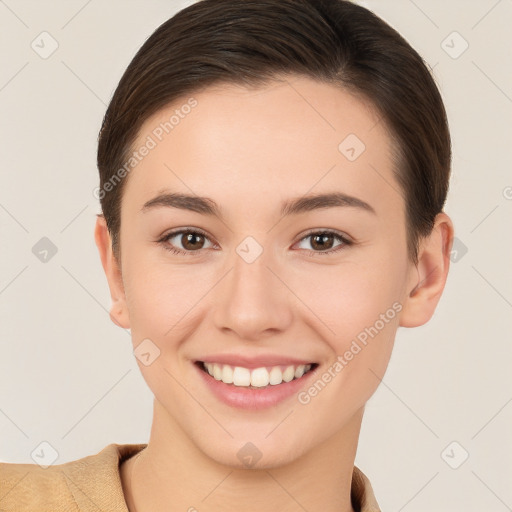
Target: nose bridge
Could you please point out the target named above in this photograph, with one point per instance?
(251, 275)
(253, 299)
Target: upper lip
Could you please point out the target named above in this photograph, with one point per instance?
(255, 361)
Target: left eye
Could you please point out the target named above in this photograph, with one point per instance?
(193, 241)
(324, 241)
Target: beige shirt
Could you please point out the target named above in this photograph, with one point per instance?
(93, 483)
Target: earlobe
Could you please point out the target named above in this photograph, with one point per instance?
(432, 272)
(118, 309)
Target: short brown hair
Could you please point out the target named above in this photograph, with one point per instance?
(252, 42)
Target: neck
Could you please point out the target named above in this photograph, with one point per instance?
(171, 474)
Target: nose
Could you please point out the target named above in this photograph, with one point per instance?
(253, 300)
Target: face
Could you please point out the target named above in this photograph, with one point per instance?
(239, 280)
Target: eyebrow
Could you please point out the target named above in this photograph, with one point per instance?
(207, 206)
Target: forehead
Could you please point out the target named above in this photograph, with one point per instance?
(290, 136)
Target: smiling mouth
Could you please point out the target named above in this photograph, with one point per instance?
(255, 378)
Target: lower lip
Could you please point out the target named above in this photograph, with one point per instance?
(251, 398)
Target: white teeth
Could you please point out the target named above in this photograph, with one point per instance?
(299, 372)
(217, 372)
(241, 376)
(288, 374)
(227, 374)
(276, 376)
(258, 377)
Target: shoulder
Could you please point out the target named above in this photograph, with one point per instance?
(89, 483)
(28, 487)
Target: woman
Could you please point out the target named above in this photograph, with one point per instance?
(272, 182)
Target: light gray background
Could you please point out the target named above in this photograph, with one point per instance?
(67, 373)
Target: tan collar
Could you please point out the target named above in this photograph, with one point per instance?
(93, 483)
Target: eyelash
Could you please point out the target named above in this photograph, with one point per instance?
(164, 241)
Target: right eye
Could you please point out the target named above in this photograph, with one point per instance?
(191, 241)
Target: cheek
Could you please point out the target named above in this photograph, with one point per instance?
(164, 300)
(360, 304)
(161, 301)
(352, 296)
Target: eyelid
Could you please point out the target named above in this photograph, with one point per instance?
(179, 231)
(346, 238)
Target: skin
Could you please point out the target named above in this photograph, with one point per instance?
(249, 150)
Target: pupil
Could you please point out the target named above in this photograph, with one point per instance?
(323, 239)
(189, 240)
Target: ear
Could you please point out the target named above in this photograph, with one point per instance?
(118, 310)
(429, 276)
